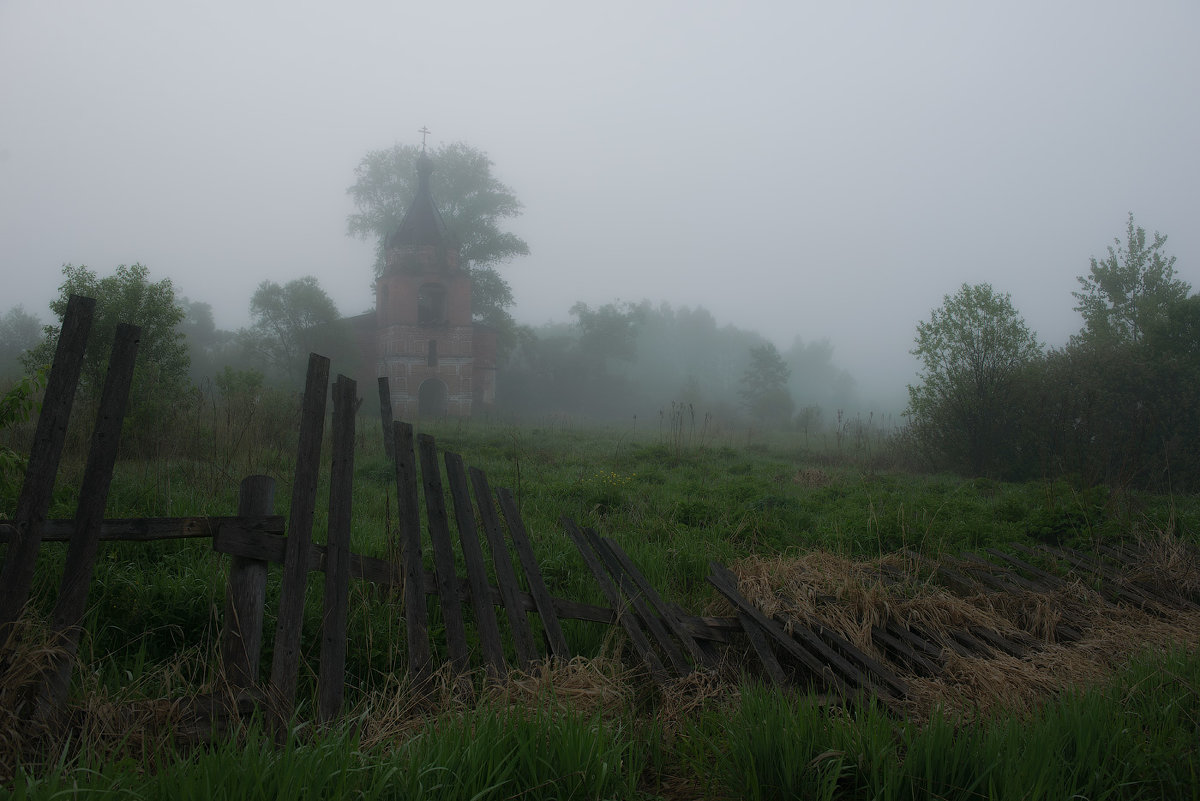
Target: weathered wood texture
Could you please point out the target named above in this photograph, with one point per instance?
(443, 555)
(246, 593)
(533, 575)
(42, 468)
(481, 595)
(385, 417)
(506, 576)
(89, 513)
(416, 623)
(331, 678)
(285, 664)
(152, 529)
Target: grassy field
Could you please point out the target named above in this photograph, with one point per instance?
(674, 498)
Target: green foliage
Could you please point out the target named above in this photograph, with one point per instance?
(19, 332)
(160, 378)
(290, 321)
(1129, 291)
(1136, 738)
(764, 387)
(472, 202)
(16, 407)
(973, 350)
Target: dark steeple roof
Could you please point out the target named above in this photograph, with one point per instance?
(422, 224)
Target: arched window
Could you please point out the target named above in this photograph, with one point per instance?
(431, 354)
(431, 304)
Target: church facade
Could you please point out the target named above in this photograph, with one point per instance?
(437, 361)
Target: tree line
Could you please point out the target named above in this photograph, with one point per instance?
(1117, 404)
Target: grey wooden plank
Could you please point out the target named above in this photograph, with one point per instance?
(331, 676)
(628, 621)
(506, 576)
(1048, 581)
(42, 466)
(246, 593)
(93, 496)
(285, 664)
(149, 529)
(633, 596)
(443, 554)
(468, 534)
(533, 576)
(668, 614)
(253, 544)
(887, 642)
(762, 648)
(385, 417)
(416, 612)
(726, 583)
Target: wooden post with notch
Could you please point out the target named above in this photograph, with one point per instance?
(246, 593)
(331, 679)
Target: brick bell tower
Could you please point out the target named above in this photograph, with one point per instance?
(437, 362)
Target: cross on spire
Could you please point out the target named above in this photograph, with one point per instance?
(423, 132)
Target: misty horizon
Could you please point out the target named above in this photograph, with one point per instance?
(814, 173)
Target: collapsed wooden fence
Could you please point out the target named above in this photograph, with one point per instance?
(788, 648)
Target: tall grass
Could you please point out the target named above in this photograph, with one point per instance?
(675, 499)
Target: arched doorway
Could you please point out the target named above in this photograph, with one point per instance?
(431, 398)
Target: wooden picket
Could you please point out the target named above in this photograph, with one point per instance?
(788, 647)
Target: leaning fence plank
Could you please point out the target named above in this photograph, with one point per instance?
(533, 575)
(285, 664)
(385, 417)
(628, 621)
(468, 535)
(443, 554)
(416, 612)
(246, 593)
(759, 643)
(506, 576)
(93, 495)
(331, 679)
(668, 614)
(725, 581)
(48, 438)
(654, 625)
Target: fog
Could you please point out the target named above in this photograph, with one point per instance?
(813, 170)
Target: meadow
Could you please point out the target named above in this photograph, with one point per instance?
(675, 496)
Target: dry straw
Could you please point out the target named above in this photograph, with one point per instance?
(852, 597)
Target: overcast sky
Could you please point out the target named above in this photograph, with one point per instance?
(822, 170)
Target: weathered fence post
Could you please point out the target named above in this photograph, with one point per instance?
(285, 663)
(415, 609)
(331, 678)
(385, 417)
(246, 593)
(443, 555)
(48, 438)
(89, 514)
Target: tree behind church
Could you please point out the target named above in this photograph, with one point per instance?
(472, 204)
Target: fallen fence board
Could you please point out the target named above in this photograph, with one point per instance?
(533, 575)
(443, 556)
(506, 576)
(468, 534)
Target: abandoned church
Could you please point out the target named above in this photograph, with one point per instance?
(438, 362)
